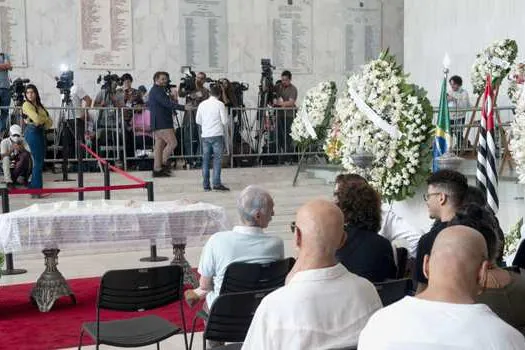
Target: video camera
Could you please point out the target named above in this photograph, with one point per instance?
(65, 82)
(17, 89)
(108, 79)
(267, 68)
(187, 82)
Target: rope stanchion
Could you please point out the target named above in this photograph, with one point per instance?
(80, 174)
(9, 263)
(153, 244)
(107, 179)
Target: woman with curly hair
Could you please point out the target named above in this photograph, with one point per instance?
(365, 252)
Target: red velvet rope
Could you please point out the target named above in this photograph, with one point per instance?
(139, 182)
(115, 169)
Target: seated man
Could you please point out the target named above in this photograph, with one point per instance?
(245, 243)
(445, 315)
(446, 191)
(16, 159)
(393, 227)
(322, 305)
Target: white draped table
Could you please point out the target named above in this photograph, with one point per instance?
(51, 226)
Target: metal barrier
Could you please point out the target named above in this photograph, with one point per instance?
(460, 126)
(254, 135)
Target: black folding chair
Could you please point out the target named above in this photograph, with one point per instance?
(230, 317)
(137, 290)
(402, 258)
(246, 277)
(393, 290)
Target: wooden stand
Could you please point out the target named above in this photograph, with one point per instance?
(506, 156)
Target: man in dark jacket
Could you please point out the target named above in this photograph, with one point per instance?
(161, 105)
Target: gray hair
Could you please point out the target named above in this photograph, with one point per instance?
(253, 200)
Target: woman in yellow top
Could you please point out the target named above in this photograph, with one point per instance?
(37, 121)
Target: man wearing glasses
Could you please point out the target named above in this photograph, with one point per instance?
(16, 159)
(445, 194)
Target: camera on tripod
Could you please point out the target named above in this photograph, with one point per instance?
(65, 82)
(17, 89)
(267, 68)
(109, 79)
(187, 82)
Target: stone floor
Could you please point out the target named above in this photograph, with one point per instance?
(95, 259)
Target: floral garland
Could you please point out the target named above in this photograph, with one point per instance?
(495, 60)
(513, 238)
(517, 128)
(314, 115)
(399, 165)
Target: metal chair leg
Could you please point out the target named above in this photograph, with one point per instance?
(194, 322)
(80, 340)
(158, 346)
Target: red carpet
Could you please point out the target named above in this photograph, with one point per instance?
(23, 327)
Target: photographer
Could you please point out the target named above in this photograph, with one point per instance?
(286, 95)
(37, 121)
(161, 105)
(15, 155)
(5, 98)
(190, 132)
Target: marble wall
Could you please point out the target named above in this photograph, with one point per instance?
(461, 28)
(52, 41)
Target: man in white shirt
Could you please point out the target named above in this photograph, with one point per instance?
(322, 305)
(213, 118)
(245, 243)
(445, 315)
(16, 159)
(393, 226)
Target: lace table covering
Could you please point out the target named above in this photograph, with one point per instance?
(59, 224)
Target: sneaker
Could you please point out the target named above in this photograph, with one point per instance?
(221, 187)
(207, 189)
(166, 168)
(160, 173)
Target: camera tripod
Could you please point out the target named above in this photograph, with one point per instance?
(65, 133)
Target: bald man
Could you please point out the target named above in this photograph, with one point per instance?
(445, 315)
(322, 305)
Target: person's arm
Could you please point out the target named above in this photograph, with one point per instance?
(159, 97)
(291, 100)
(5, 150)
(395, 227)
(7, 64)
(99, 100)
(30, 111)
(224, 114)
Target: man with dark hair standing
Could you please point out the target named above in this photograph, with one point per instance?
(458, 99)
(445, 196)
(213, 118)
(161, 105)
(286, 94)
(5, 98)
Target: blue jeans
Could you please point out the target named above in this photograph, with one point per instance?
(5, 101)
(35, 139)
(212, 145)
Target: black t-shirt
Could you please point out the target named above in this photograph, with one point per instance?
(368, 255)
(424, 247)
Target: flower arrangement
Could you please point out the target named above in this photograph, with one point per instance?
(314, 115)
(400, 165)
(495, 60)
(517, 77)
(517, 144)
(513, 238)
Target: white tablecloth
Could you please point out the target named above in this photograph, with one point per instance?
(60, 224)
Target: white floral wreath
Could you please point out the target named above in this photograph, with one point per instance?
(315, 114)
(400, 165)
(495, 60)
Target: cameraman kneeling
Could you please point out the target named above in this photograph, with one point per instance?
(16, 159)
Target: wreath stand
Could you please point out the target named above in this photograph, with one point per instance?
(506, 157)
(304, 160)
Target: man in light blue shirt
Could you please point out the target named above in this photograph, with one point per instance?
(245, 243)
(5, 98)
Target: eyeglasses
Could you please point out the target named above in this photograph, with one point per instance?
(15, 135)
(427, 196)
(293, 226)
